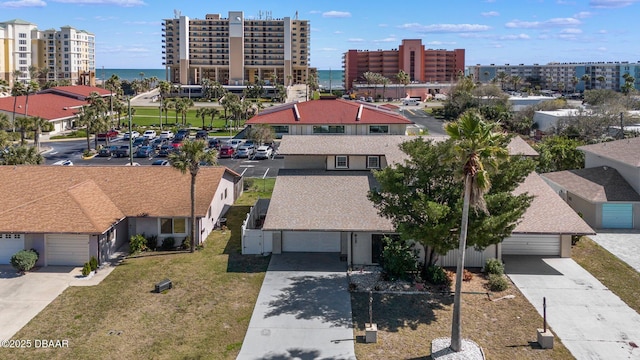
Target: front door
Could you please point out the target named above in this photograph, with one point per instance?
(377, 245)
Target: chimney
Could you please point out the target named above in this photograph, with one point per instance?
(359, 116)
(296, 112)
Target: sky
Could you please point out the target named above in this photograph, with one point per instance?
(128, 32)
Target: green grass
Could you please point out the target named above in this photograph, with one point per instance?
(81, 133)
(615, 274)
(256, 189)
(205, 315)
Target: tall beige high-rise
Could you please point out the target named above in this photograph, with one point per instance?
(236, 50)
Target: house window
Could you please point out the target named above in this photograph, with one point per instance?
(378, 129)
(173, 226)
(342, 162)
(373, 162)
(328, 129)
(225, 193)
(281, 129)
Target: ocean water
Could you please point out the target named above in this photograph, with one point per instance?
(326, 78)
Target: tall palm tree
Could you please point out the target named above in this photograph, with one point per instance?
(403, 78)
(202, 113)
(585, 79)
(574, 82)
(38, 123)
(212, 112)
(23, 123)
(515, 81)
(602, 80)
(476, 144)
(384, 81)
(502, 78)
(189, 158)
(184, 110)
(18, 89)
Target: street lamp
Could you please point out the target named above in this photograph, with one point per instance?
(130, 132)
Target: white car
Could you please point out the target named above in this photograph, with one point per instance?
(63, 163)
(149, 134)
(166, 134)
(263, 152)
(134, 134)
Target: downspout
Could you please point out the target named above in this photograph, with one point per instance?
(351, 250)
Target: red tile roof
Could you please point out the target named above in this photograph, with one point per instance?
(46, 106)
(82, 91)
(331, 111)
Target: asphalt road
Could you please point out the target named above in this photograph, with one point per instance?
(422, 119)
(72, 150)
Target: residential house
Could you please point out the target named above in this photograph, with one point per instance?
(70, 213)
(606, 191)
(320, 203)
(331, 117)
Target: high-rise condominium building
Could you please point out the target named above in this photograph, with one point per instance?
(236, 50)
(50, 55)
(557, 76)
(420, 64)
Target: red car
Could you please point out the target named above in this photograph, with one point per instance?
(111, 134)
(226, 151)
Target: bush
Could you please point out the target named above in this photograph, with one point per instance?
(93, 263)
(168, 243)
(186, 243)
(152, 242)
(467, 275)
(436, 275)
(24, 260)
(137, 244)
(398, 258)
(86, 269)
(498, 282)
(494, 266)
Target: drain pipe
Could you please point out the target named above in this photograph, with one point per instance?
(351, 250)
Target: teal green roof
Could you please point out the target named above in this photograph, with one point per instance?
(18, 22)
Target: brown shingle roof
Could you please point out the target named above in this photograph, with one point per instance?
(548, 213)
(324, 201)
(600, 184)
(328, 111)
(81, 199)
(626, 150)
(80, 91)
(517, 146)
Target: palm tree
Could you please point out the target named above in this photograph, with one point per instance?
(38, 123)
(384, 81)
(184, 110)
(18, 89)
(190, 157)
(22, 155)
(502, 78)
(202, 113)
(32, 88)
(212, 112)
(476, 145)
(85, 118)
(23, 123)
(370, 78)
(515, 81)
(585, 79)
(403, 78)
(602, 80)
(574, 82)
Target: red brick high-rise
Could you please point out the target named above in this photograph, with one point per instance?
(422, 65)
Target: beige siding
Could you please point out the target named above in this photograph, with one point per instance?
(589, 211)
(305, 162)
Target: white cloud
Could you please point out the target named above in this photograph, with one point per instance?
(437, 43)
(540, 24)
(355, 40)
(490, 13)
(122, 3)
(23, 3)
(336, 14)
(603, 31)
(609, 4)
(602, 49)
(338, 32)
(315, 12)
(445, 28)
(583, 15)
(153, 23)
(383, 25)
(104, 18)
(571, 31)
(328, 49)
(388, 39)
(515, 37)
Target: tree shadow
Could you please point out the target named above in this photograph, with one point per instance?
(8, 272)
(314, 297)
(396, 311)
(299, 354)
(237, 262)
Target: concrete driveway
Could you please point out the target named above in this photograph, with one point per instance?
(625, 244)
(303, 310)
(591, 321)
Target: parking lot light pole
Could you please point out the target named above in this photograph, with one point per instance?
(130, 132)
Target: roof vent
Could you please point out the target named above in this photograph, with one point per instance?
(296, 112)
(359, 116)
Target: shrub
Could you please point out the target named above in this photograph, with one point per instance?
(93, 263)
(575, 239)
(494, 266)
(498, 282)
(467, 275)
(152, 242)
(398, 258)
(137, 244)
(186, 243)
(86, 269)
(24, 260)
(168, 243)
(436, 275)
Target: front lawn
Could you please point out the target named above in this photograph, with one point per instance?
(205, 315)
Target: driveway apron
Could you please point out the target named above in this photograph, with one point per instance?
(625, 244)
(303, 310)
(592, 322)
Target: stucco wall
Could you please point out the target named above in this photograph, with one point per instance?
(589, 212)
(305, 162)
(36, 241)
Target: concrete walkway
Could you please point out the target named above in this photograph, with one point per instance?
(625, 244)
(591, 321)
(303, 311)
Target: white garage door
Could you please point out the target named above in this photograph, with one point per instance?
(548, 245)
(310, 241)
(9, 245)
(67, 249)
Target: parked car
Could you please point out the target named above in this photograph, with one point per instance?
(182, 134)
(263, 152)
(133, 134)
(202, 134)
(158, 142)
(226, 151)
(245, 151)
(214, 143)
(104, 152)
(160, 162)
(166, 134)
(165, 150)
(234, 143)
(63, 163)
(144, 151)
(111, 134)
(176, 143)
(149, 134)
(122, 151)
(140, 141)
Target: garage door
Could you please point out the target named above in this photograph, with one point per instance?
(617, 216)
(547, 245)
(67, 249)
(9, 245)
(310, 241)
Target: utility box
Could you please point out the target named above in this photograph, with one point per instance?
(371, 333)
(545, 339)
(163, 285)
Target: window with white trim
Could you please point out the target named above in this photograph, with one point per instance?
(169, 226)
(373, 162)
(342, 162)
